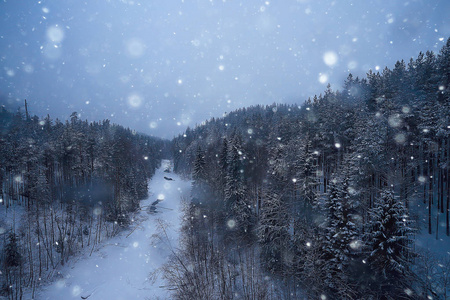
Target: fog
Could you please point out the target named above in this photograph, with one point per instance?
(160, 66)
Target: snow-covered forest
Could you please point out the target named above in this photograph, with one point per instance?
(64, 187)
(343, 196)
(326, 200)
(334, 199)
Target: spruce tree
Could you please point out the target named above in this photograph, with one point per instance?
(11, 252)
(236, 204)
(199, 172)
(388, 240)
(340, 236)
(273, 232)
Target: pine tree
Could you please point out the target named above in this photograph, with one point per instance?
(388, 241)
(306, 175)
(13, 257)
(223, 164)
(199, 172)
(200, 186)
(273, 232)
(236, 203)
(340, 234)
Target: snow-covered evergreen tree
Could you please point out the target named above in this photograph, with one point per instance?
(200, 186)
(273, 232)
(306, 177)
(12, 255)
(223, 164)
(199, 172)
(237, 205)
(388, 240)
(341, 234)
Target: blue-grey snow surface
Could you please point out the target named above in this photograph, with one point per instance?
(121, 268)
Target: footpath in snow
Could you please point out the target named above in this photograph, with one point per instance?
(121, 267)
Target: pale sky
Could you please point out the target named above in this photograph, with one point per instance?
(160, 66)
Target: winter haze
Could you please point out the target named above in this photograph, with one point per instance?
(160, 66)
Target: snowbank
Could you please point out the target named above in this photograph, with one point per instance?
(121, 268)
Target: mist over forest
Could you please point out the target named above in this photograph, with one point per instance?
(224, 150)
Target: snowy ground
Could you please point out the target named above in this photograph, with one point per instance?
(121, 267)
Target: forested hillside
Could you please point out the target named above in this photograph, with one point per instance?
(63, 187)
(327, 196)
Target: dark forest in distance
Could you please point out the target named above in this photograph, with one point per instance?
(319, 200)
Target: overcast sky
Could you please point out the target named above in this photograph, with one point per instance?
(160, 66)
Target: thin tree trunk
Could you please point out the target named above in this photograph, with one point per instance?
(437, 224)
(39, 239)
(448, 203)
(430, 201)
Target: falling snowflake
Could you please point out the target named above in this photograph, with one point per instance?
(330, 58)
(134, 100)
(323, 78)
(231, 223)
(55, 34)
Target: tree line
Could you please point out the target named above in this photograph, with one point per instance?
(328, 196)
(64, 186)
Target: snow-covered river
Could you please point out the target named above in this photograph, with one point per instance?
(120, 269)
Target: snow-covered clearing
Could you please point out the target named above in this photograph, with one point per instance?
(121, 268)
